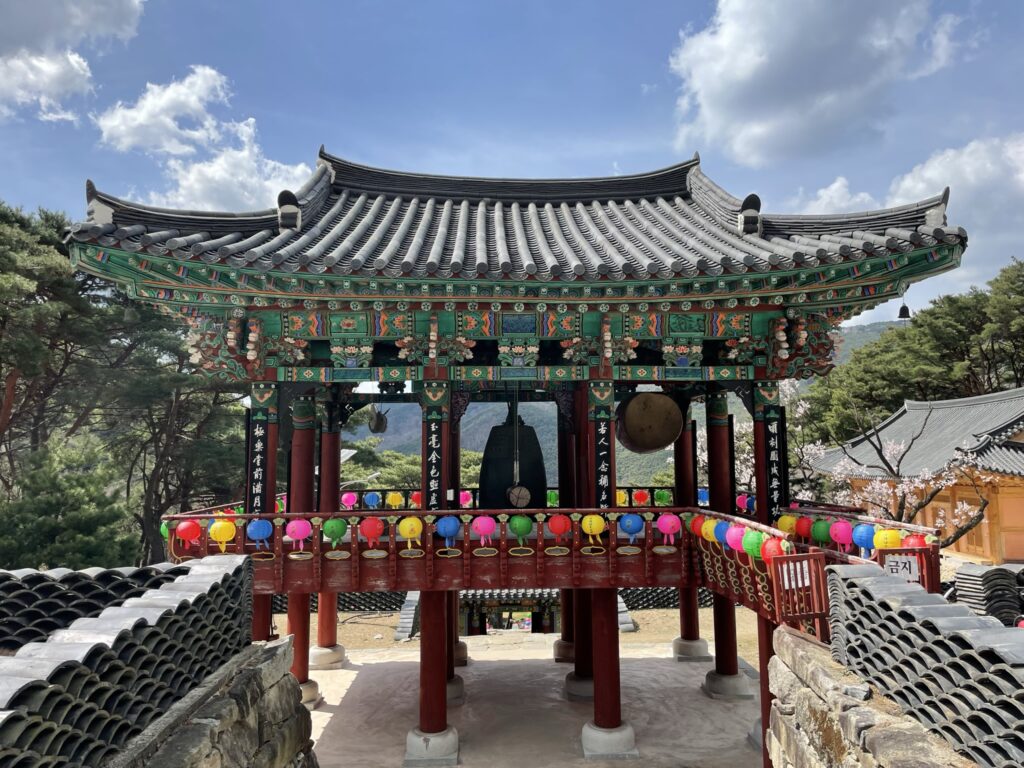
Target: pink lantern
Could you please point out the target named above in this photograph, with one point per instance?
(298, 530)
(349, 499)
(841, 532)
(734, 537)
(794, 505)
(484, 527)
(741, 501)
(465, 499)
(669, 525)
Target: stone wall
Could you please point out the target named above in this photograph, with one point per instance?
(247, 715)
(824, 715)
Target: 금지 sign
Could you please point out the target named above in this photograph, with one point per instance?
(256, 491)
(905, 566)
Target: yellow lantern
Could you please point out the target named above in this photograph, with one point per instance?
(707, 529)
(410, 529)
(786, 523)
(593, 526)
(887, 538)
(394, 499)
(621, 499)
(222, 531)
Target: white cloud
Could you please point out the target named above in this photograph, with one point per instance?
(837, 198)
(766, 80)
(39, 62)
(235, 178)
(171, 119)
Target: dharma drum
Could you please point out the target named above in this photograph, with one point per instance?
(648, 422)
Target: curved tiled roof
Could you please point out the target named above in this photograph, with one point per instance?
(980, 426)
(350, 219)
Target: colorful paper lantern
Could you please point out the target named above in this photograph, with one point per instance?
(282, 504)
(721, 529)
(371, 528)
(448, 527)
(696, 523)
(820, 531)
(164, 532)
(663, 497)
(621, 498)
(752, 543)
(298, 530)
(641, 497)
(864, 536)
(841, 532)
(786, 523)
(484, 527)
(465, 499)
(915, 540)
(741, 501)
(259, 531)
(349, 499)
(394, 499)
(734, 537)
(804, 527)
(415, 499)
(334, 530)
(521, 526)
(707, 530)
(371, 499)
(559, 525)
(703, 496)
(751, 503)
(222, 531)
(552, 498)
(188, 531)
(887, 538)
(410, 529)
(669, 525)
(593, 526)
(771, 548)
(631, 524)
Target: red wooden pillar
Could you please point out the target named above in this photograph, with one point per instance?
(689, 646)
(261, 617)
(433, 689)
(583, 635)
(300, 500)
(579, 684)
(720, 491)
(330, 473)
(452, 634)
(607, 699)
(765, 396)
(264, 395)
(567, 481)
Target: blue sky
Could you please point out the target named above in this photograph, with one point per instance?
(816, 106)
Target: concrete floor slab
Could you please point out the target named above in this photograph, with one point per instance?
(515, 713)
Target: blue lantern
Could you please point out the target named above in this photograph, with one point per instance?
(721, 528)
(751, 503)
(259, 531)
(703, 497)
(448, 526)
(864, 536)
(631, 524)
(371, 499)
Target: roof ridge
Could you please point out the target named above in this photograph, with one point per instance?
(959, 402)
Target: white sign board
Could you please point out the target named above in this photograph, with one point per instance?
(904, 566)
(795, 575)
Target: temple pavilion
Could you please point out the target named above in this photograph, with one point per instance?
(586, 293)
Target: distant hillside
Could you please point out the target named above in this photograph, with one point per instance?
(403, 433)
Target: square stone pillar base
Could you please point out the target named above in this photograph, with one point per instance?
(423, 749)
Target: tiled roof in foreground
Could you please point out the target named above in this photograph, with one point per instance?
(350, 219)
(934, 433)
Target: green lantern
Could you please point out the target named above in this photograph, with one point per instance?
(752, 542)
(521, 526)
(334, 529)
(163, 530)
(820, 531)
(553, 498)
(662, 497)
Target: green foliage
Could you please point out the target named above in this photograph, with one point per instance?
(68, 514)
(397, 470)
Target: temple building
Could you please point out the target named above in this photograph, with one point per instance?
(985, 434)
(444, 291)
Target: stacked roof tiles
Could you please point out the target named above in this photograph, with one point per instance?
(35, 603)
(76, 698)
(992, 590)
(352, 220)
(959, 674)
(645, 598)
(355, 602)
